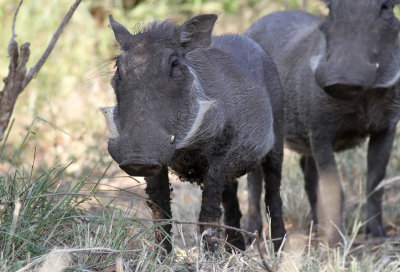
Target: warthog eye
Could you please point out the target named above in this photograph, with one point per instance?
(175, 63)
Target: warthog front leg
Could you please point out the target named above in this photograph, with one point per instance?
(272, 169)
(232, 213)
(211, 205)
(253, 220)
(329, 193)
(379, 149)
(310, 173)
(158, 191)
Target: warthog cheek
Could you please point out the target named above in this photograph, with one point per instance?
(109, 115)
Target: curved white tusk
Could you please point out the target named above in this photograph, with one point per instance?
(109, 115)
(172, 139)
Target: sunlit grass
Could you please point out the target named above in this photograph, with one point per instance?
(87, 224)
(49, 167)
(74, 82)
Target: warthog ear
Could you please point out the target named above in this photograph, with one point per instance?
(196, 32)
(122, 35)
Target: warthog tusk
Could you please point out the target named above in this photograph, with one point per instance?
(109, 115)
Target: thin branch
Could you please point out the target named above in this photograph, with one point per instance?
(172, 221)
(16, 80)
(304, 5)
(14, 20)
(208, 224)
(377, 241)
(262, 265)
(254, 235)
(257, 237)
(35, 69)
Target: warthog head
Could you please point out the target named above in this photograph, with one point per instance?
(360, 42)
(160, 102)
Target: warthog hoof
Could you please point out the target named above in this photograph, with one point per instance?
(376, 230)
(235, 239)
(252, 224)
(212, 239)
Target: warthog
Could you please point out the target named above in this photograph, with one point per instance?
(201, 106)
(340, 78)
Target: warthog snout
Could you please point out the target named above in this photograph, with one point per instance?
(343, 91)
(134, 163)
(347, 79)
(139, 167)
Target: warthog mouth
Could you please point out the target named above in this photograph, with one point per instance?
(343, 91)
(138, 167)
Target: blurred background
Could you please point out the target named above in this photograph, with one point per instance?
(72, 85)
(57, 119)
(60, 108)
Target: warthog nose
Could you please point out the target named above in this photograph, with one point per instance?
(141, 169)
(343, 91)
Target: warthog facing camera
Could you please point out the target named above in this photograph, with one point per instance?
(340, 78)
(201, 106)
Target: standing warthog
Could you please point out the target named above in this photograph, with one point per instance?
(340, 79)
(201, 106)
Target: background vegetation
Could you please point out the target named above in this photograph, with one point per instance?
(55, 155)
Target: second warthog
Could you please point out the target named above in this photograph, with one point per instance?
(340, 78)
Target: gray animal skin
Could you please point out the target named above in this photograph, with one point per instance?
(340, 78)
(201, 106)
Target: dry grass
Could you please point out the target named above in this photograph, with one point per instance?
(47, 219)
(49, 167)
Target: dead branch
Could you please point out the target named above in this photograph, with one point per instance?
(35, 69)
(14, 20)
(262, 265)
(16, 81)
(254, 235)
(208, 224)
(257, 238)
(304, 5)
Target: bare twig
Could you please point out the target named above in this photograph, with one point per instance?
(208, 224)
(14, 20)
(35, 69)
(257, 237)
(262, 265)
(304, 5)
(172, 221)
(254, 235)
(13, 82)
(377, 241)
(16, 80)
